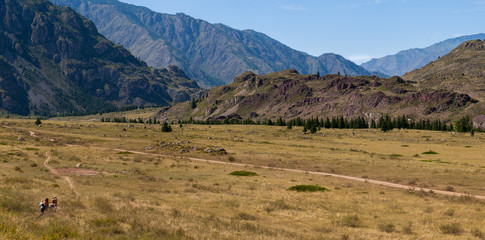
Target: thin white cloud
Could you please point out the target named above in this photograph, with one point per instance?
(293, 7)
(479, 3)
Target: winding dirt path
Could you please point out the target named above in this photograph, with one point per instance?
(358, 179)
(55, 172)
(364, 180)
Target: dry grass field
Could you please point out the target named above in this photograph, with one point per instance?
(124, 194)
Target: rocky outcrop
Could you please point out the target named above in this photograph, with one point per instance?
(54, 61)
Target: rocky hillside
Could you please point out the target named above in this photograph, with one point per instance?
(289, 94)
(53, 61)
(213, 54)
(408, 60)
(462, 70)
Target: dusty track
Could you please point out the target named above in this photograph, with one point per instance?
(54, 171)
(363, 180)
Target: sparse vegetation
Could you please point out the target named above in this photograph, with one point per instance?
(452, 228)
(243, 173)
(388, 227)
(352, 221)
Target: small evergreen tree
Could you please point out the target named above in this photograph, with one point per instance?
(166, 127)
(38, 121)
(193, 105)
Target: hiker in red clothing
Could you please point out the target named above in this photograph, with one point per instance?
(53, 205)
(46, 204)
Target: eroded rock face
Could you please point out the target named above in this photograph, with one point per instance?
(71, 67)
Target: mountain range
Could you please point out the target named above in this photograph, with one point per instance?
(448, 88)
(53, 61)
(213, 54)
(408, 60)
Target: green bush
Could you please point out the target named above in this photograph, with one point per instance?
(430, 152)
(243, 173)
(308, 188)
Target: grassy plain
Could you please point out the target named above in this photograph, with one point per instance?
(167, 196)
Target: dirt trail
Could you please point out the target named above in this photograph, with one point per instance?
(54, 171)
(364, 180)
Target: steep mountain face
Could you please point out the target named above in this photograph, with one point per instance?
(289, 94)
(408, 60)
(462, 70)
(53, 60)
(213, 54)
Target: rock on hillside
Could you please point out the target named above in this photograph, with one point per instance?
(408, 60)
(289, 94)
(213, 54)
(53, 61)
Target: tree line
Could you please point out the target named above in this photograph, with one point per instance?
(385, 123)
(314, 124)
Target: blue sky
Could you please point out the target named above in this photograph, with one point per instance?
(356, 29)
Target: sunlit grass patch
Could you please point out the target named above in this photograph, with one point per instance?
(308, 188)
(31, 149)
(126, 152)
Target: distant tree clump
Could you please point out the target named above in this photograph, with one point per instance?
(166, 127)
(464, 124)
(38, 121)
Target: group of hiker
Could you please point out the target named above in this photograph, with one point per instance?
(44, 205)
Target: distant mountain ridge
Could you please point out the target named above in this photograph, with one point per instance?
(53, 61)
(213, 54)
(408, 60)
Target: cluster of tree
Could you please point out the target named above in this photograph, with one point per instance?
(94, 109)
(126, 120)
(385, 123)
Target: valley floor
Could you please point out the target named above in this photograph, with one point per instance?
(139, 183)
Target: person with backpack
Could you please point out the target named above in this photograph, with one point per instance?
(42, 207)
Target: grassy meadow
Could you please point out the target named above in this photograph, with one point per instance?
(165, 195)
